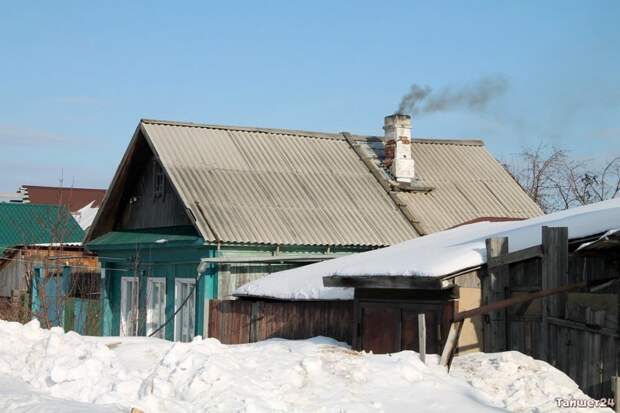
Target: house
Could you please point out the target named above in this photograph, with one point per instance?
(83, 203)
(43, 228)
(45, 271)
(573, 254)
(246, 202)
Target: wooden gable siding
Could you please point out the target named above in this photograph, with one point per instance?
(141, 207)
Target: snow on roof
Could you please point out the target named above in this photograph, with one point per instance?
(434, 255)
(86, 215)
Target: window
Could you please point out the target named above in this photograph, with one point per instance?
(129, 306)
(155, 306)
(184, 322)
(159, 180)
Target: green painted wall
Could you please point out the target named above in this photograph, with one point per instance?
(173, 260)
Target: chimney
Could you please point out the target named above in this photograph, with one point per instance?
(398, 158)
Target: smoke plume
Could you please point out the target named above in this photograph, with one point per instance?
(474, 97)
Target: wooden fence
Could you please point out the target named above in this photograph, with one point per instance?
(575, 332)
(245, 321)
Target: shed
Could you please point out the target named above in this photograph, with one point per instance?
(548, 287)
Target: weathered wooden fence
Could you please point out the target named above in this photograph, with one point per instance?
(245, 321)
(576, 332)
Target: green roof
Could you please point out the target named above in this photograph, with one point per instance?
(147, 236)
(26, 224)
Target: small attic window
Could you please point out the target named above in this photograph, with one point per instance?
(159, 181)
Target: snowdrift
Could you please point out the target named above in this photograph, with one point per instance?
(49, 371)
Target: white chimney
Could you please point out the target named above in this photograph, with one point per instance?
(398, 147)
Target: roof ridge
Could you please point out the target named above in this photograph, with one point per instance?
(463, 142)
(277, 131)
(310, 134)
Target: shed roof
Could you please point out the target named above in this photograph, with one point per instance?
(434, 256)
(278, 186)
(24, 224)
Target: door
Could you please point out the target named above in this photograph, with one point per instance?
(155, 306)
(129, 306)
(184, 321)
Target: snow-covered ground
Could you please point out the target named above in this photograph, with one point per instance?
(53, 371)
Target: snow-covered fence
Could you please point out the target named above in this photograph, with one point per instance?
(246, 321)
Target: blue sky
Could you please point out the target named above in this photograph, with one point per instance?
(75, 77)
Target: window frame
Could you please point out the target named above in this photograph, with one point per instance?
(149, 297)
(178, 318)
(135, 303)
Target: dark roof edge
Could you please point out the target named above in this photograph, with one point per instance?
(66, 188)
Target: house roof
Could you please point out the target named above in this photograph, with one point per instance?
(73, 199)
(278, 186)
(468, 183)
(24, 224)
(434, 256)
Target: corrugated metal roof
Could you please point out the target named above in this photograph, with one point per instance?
(275, 186)
(24, 224)
(468, 183)
(251, 185)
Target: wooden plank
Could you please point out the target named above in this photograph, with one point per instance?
(451, 342)
(422, 336)
(583, 327)
(609, 366)
(500, 305)
(554, 274)
(596, 367)
(498, 281)
(573, 349)
(515, 256)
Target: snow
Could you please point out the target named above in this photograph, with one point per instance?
(433, 255)
(86, 215)
(52, 371)
(17, 396)
(517, 382)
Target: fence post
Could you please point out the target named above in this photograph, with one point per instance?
(554, 274)
(494, 287)
(67, 308)
(422, 336)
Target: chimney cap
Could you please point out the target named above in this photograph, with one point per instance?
(398, 119)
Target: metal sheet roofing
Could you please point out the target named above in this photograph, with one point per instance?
(25, 224)
(251, 185)
(276, 186)
(468, 183)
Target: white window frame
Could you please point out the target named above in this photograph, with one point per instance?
(149, 298)
(178, 300)
(135, 302)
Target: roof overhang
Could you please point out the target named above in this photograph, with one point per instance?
(389, 281)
